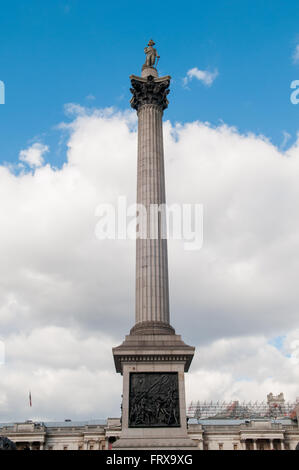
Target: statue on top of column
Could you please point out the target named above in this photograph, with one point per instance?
(151, 55)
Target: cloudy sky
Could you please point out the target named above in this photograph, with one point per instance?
(68, 143)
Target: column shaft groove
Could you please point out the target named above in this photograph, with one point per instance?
(152, 290)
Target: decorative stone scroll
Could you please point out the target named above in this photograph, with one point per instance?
(154, 400)
(149, 92)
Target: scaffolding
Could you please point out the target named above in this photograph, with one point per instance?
(244, 410)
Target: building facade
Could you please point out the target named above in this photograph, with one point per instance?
(207, 434)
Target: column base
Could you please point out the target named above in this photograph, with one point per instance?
(152, 328)
(153, 406)
(150, 344)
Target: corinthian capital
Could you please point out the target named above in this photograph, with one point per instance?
(149, 90)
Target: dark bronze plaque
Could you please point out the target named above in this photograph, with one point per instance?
(154, 400)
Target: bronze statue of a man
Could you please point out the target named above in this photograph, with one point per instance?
(151, 55)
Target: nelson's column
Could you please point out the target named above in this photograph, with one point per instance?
(152, 359)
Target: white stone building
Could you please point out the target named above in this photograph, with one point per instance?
(209, 434)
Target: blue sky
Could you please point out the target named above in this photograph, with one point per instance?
(58, 52)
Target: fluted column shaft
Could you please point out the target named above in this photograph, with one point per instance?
(152, 294)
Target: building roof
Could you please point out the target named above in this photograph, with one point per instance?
(63, 424)
(236, 422)
(191, 421)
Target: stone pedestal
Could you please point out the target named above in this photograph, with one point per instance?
(159, 419)
(152, 359)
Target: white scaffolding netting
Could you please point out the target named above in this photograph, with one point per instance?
(237, 410)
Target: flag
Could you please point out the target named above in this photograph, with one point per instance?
(30, 401)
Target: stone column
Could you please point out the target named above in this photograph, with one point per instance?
(254, 444)
(200, 444)
(152, 359)
(152, 291)
(152, 298)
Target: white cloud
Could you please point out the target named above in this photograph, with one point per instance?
(33, 155)
(203, 76)
(245, 369)
(66, 297)
(55, 364)
(296, 55)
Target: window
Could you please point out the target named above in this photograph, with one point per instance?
(235, 446)
(80, 447)
(91, 447)
(64, 447)
(220, 446)
(206, 446)
(50, 447)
